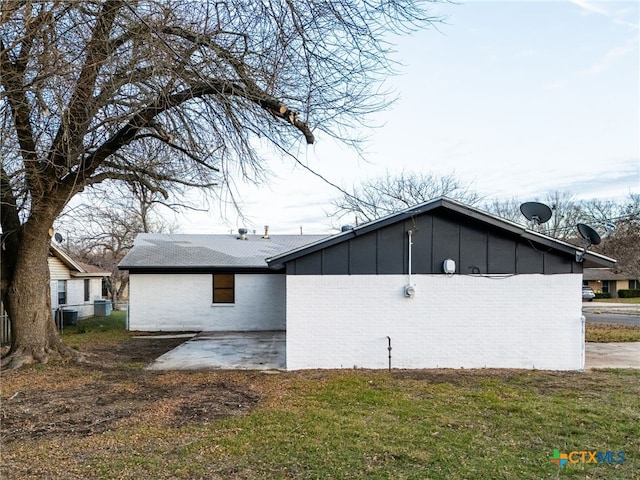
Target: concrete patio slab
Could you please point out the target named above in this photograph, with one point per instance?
(266, 351)
(227, 351)
(612, 355)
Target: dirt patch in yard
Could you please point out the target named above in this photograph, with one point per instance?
(113, 389)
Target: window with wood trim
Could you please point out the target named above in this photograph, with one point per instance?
(223, 288)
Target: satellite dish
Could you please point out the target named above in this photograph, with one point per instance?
(58, 237)
(536, 212)
(590, 236)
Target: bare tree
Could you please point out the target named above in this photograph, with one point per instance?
(83, 84)
(385, 195)
(624, 242)
(509, 209)
(104, 229)
(566, 213)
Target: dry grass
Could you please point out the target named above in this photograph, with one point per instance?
(632, 301)
(121, 421)
(112, 419)
(604, 333)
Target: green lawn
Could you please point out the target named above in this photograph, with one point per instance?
(109, 329)
(376, 425)
(120, 421)
(358, 424)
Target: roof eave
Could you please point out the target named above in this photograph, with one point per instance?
(590, 258)
(279, 260)
(92, 274)
(66, 259)
(197, 269)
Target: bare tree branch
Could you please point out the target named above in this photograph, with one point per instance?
(167, 95)
(386, 195)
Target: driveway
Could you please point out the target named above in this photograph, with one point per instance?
(612, 355)
(226, 351)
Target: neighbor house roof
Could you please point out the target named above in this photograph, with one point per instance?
(604, 274)
(590, 259)
(155, 251)
(76, 268)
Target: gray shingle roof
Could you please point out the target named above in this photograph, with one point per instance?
(155, 250)
(604, 274)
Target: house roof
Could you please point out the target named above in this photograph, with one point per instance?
(590, 259)
(604, 274)
(155, 251)
(91, 271)
(77, 269)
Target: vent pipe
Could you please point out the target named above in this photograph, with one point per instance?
(266, 231)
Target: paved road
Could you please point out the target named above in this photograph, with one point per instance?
(615, 313)
(613, 318)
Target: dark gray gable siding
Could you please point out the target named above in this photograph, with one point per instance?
(477, 248)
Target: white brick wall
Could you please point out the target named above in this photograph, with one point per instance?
(183, 302)
(522, 321)
(75, 295)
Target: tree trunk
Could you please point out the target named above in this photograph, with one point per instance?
(33, 330)
(124, 282)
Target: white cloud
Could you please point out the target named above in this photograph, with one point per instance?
(611, 56)
(623, 16)
(590, 7)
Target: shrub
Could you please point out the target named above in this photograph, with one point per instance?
(603, 295)
(628, 293)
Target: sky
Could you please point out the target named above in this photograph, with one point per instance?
(515, 98)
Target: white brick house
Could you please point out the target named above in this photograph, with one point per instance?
(74, 285)
(207, 282)
(511, 297)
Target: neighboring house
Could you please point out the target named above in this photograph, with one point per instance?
(605, 280)
(445, 285)
(74, 285)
